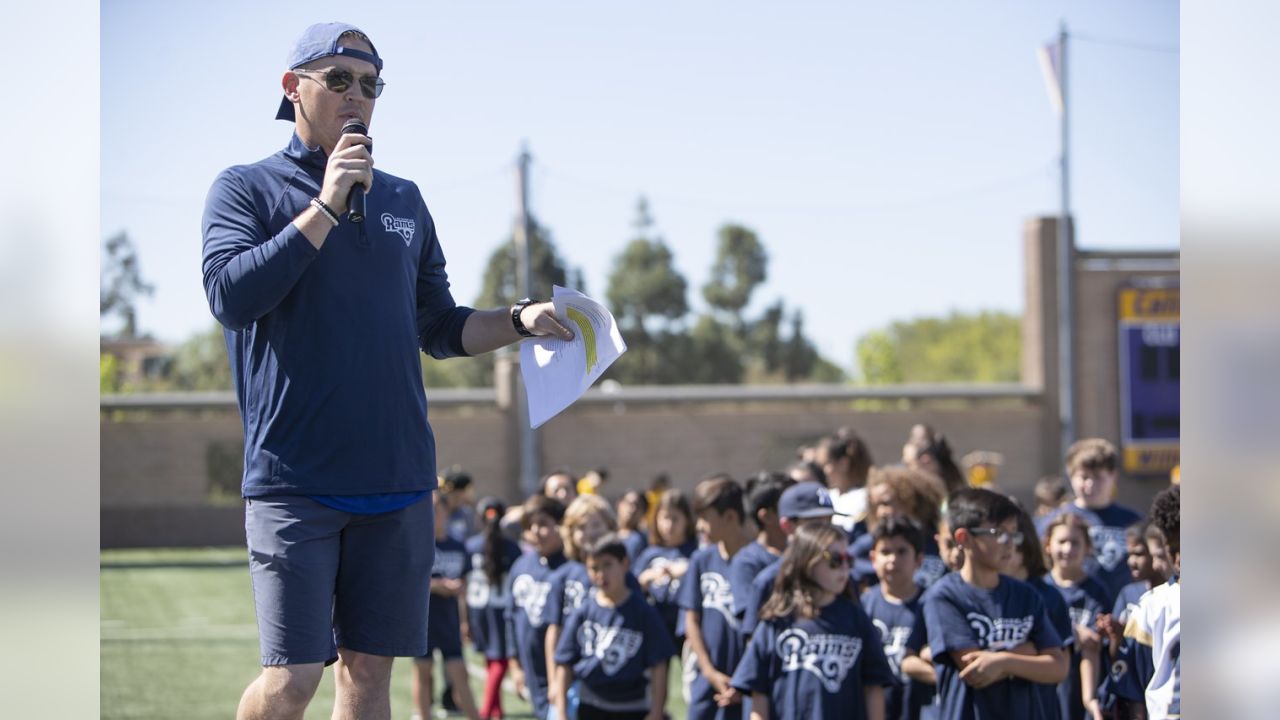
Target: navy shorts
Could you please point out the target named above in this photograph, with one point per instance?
(324, 579)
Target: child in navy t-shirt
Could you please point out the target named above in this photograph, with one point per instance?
(762, 495)
(587, 519)
(632, 509)
(893, 605)
(529, 586)
(710, 619)
(918, 495)
(444, 619)
(989, 634)
(1066, 543)
(1091, 467)
(661, 566)
(614, 645)
(1131, 664)
(815, 654)
(488, 602)
(1028, 565)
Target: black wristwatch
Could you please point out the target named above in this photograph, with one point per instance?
(515, 317)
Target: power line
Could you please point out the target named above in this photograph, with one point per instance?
(1127, 44)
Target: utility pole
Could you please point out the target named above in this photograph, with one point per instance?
(1066, 256)
(529, 470)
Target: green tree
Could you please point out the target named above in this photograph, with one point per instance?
(121, 283)
(983, 347)
(647, 296)
(644, 285)
(740, 266)
(500, 288)
(764, 339)
(715, 354)
(200, 363)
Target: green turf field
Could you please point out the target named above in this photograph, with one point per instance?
(179, 640)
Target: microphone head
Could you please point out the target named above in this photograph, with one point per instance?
(355, 126)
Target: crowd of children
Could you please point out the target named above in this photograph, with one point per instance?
(837, 589)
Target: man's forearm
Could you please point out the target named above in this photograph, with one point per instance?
(488, 330)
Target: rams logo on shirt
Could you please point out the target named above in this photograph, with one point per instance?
(1109, 547)
(531, 596)
(895, 643)
(448, 564)
(718, 596)
(403, 226)
(612, 646)
(575, 593)
(1000, 633)
(828, 656)
(1082, 617)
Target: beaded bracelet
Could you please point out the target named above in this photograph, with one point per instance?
(318, 204)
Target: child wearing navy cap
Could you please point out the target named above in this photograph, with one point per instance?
(804, 502)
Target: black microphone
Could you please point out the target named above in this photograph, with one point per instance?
(355, 201)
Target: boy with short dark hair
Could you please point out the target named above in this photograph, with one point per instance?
(1157, 623)
(710, 617)
(529, 587)
(897, 552)
(614, 644)
(989, 634)
(763, 492)
(1091, 467)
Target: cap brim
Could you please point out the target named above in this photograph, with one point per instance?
(819, 512)
(286, 110)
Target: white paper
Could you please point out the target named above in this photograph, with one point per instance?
(556, 372)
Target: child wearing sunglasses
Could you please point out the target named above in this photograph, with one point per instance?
(1066, 541)
(989, 634)
(815, 654)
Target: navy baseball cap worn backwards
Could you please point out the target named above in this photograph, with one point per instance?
(319, 41)
(806, 500)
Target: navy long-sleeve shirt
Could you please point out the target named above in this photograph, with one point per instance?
(324, 343)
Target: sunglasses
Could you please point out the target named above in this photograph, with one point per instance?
(835, 561)
(338, 80)
(1001, 536)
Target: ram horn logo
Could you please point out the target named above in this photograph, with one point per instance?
(403, 226)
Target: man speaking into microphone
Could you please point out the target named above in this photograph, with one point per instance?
(324, 319)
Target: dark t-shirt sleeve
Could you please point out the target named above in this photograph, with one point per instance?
(658, 645)
(567, 650)
(948, 629)
(752, 673)
(1043, 636)
(554, 610)
(689, 596)
(919, 636)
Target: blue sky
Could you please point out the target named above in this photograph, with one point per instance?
(887, 154)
